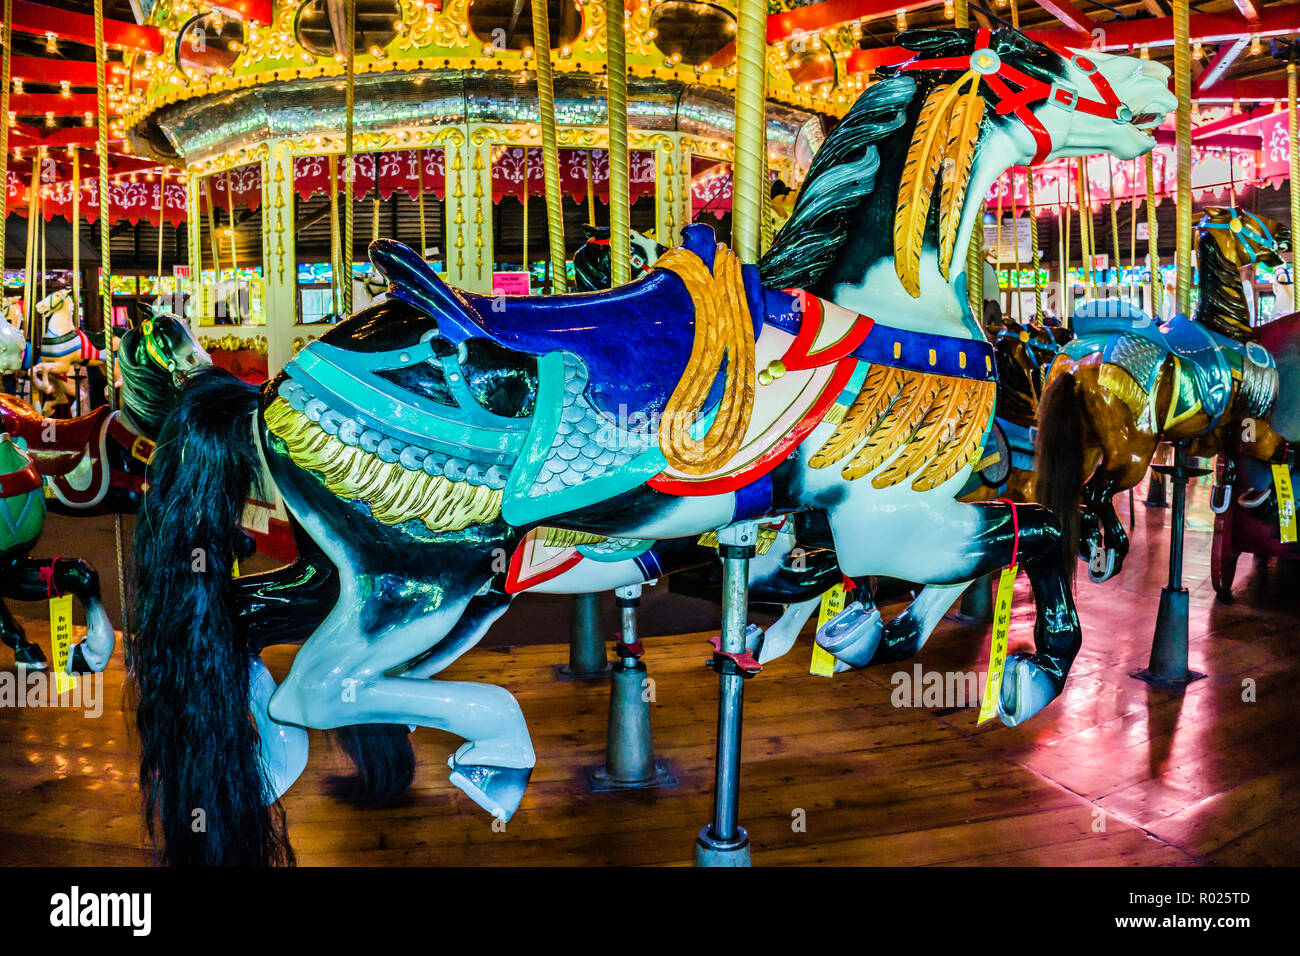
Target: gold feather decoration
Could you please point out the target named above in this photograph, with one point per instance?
(879, 389)
(968, 440)
(916, 188)
(958, 157)
(940, 419)
(935, 424)
(896, 428)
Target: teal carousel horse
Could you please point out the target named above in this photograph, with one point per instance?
(418, 442)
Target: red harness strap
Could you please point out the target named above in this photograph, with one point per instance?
(997, 74)
(46, 576)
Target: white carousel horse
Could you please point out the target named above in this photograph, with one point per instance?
(64, 347)
(13, 344)
(416, 446)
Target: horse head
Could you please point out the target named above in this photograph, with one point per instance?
(156, 359)
(938, 130)
(1244, 238)
(1051, 100)
(55, 304)
(1228, 240)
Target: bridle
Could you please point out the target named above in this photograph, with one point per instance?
(1000, 76)
(1248, 237)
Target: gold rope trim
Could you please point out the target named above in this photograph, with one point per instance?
(935, 422)
(395, 494)
(723, 328)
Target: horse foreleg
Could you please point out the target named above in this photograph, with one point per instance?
(34, 580)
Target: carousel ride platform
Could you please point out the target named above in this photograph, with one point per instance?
(1113, 773)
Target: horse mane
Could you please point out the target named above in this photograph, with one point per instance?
(1222, 303)
(843, 174)
(149, 392)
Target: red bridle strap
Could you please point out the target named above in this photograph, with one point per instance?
(998, 74)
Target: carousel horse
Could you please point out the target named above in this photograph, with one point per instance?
(63, 346)
(1245, 503)
(22, 518)
(94, 464)
(418, 442)
(13, 344)
(1126, 384)
(591, 269)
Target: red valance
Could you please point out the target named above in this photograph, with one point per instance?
(395, 171)
(509, 163)
(130, 202)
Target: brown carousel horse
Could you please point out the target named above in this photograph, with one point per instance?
(1125, 385)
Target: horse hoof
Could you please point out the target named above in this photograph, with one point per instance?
(498, 790)
(853, 635)
(1096, 576)
(1026, 689)
(30, 657)
(753, 638)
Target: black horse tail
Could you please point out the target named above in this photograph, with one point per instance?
(1058, 459)
(200, 769)
(383, 762)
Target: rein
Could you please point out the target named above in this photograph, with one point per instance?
(999, 74)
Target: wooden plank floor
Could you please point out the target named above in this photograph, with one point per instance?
(1112, 773)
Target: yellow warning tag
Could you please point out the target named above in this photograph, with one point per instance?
(1285, 503)
(823, 664)
(998, 649)
(234, 567)
(61, 641)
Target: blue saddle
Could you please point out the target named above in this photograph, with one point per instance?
(1206, 357)
(635, 340)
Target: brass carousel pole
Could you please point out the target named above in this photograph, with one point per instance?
(975, 251)
(620, 213)
(105, 281)
(1153, 249)
(550, 146)
(751, 91)
(5, 66)
(1168, 666)
(724, 842)
(349, 162)
(1293, 127)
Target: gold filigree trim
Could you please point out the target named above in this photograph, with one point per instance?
(395, 494)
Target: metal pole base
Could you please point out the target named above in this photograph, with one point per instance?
(629, 749)
(1168, 666)
(1156, 494)
(710, 851)
(977, 602)
(587, 660)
